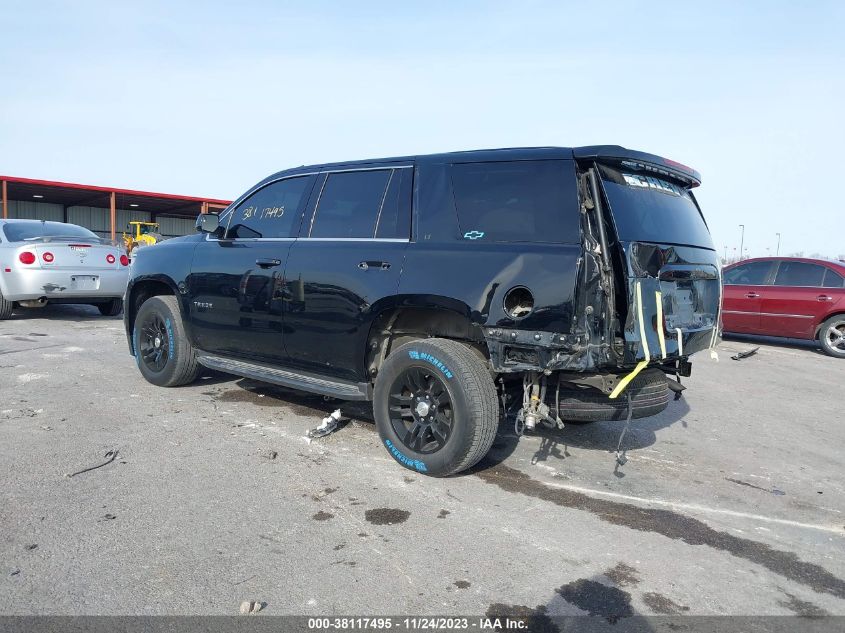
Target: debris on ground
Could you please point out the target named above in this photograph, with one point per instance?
(111, 455)
(621, 457)
(15, 572)
(249, 607)
(328, 425)
(270, 455)
(745, 354)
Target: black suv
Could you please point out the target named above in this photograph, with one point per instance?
(449, 289)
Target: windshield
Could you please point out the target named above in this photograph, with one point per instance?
(650, 209)
(20, 231)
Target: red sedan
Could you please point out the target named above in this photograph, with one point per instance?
(787, 296)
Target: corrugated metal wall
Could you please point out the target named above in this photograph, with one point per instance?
(26, 210)
(172, 227)
(97, 219)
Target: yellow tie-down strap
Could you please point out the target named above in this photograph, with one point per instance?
(643, 363)
(658, 299)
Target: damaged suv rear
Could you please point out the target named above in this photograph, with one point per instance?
(556, 285)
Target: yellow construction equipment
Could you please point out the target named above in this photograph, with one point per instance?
(141, 234)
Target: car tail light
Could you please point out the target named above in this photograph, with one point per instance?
(27, 258)
(47, 257)
(110, 258)
(124, 260)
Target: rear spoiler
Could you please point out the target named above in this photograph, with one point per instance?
(639, 160)
(64, 238)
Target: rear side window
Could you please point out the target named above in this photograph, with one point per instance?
(272, 211)
(751, 274)
(350, 203)
(394, 219)
(518, 201)
(833, 279)
(799, 274)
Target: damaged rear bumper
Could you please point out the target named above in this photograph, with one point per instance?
(513, 350)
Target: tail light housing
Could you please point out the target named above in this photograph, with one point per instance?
(27, 258)
(124, 260)
(48, 257)
(110, 258)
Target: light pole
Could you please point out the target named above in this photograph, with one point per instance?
(741, 240)
(777, 252)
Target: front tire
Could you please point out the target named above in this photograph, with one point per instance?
(164, 355)
(435, 406)
(112, 308)
(832, 336)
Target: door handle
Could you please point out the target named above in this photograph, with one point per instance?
(268, 263)
(372, 264)
(825, 298)
(752, 295)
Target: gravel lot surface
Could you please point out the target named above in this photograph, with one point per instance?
(731, 502)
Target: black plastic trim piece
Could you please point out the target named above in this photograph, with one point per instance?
(288, 378)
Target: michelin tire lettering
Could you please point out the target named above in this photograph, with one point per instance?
(404, 459)
(415, 355)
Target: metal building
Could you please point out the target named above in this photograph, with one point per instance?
(104, 210)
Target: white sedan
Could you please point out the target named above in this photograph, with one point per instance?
(52, 262)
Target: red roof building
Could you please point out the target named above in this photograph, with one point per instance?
(104, 210)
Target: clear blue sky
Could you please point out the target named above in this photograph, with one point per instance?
(207, 98)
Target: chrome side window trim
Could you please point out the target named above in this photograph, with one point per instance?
(378, 168)
(383, 198)
(317, 204)
(354, 239)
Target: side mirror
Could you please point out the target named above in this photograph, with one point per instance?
(208, 222)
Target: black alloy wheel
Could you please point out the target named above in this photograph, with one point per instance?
(154, 343)
(164, 354)
(436, 406)
(421, 410)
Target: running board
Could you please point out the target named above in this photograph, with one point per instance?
(287, 378)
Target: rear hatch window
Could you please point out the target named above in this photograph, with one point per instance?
(22, 231)
(517, 201)
(647, 208)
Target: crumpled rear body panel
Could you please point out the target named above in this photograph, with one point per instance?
(679, 299)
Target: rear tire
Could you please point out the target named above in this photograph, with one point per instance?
(649, 396)
(435, 406)
(832, 336)
(112, 308)
(164, 355)
(5, 308)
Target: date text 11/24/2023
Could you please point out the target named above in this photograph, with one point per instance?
(422, 623)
